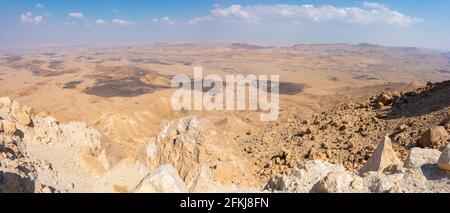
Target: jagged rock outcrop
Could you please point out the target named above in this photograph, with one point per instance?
(383, 157)
(196, 150)
(18, 172)
(187, 156)
(14, 111)
(183, 144)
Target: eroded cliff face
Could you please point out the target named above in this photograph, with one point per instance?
(41, 155)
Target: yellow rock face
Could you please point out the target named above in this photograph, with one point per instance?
(9, 128)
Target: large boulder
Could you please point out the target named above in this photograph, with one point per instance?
(444, 159)
(434, 137)
(418, 157)
(164, 180)
(123, 177)
(383, 157)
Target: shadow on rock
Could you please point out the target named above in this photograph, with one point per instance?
(432, 172)
(423, 101)
(13, 183)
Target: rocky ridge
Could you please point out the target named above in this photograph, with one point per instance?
(348, 134)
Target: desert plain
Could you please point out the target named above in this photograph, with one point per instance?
(337, 101)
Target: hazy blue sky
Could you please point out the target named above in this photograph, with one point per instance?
(397, 23)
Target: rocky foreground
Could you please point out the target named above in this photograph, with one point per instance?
(39, 154)
(394, 142)
(407, 123)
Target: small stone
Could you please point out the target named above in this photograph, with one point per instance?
(323, 127)
(313, 154)
(380, 105)
(347, 106)
(447, 126)
(364, 104)
(384, 99)
(403, 128)
(277, 160)
(329, 153)
(434, 137)
(309, 130)
(286, 154)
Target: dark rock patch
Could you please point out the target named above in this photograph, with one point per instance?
(365, 77)
(72, 84)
